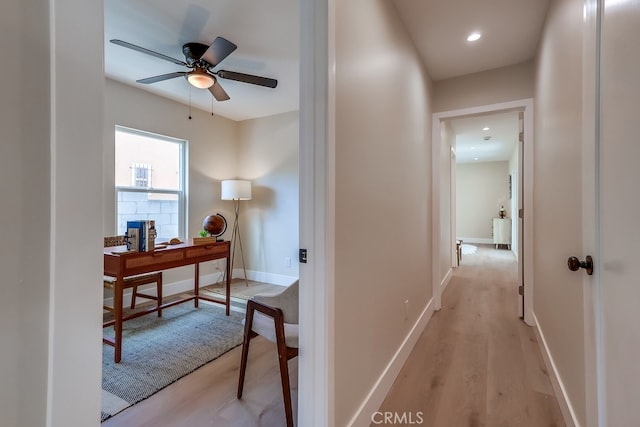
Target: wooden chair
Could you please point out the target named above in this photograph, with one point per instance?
(133, 282)
(275, 317)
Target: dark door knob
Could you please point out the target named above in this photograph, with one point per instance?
(575, 264)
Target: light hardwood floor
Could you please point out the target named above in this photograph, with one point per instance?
(476, 363)
(207, 397)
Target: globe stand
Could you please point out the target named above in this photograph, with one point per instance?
(215, 226)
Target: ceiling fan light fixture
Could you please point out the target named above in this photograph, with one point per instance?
(200, 79)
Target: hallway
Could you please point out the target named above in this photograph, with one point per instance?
(476, 363)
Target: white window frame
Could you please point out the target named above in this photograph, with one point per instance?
(181, 192)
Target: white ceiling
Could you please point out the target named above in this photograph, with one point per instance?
(510, 33)
(472, 145)
(267, 36)
(266, 33)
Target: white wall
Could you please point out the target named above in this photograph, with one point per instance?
(268, 156)
(382, 198)
(263, 150)
(24, 131)
(558, 299)
(49, 166)
(504, 84)
(212, 157)
(481, 189)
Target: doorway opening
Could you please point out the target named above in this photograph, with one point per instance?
(483, 195)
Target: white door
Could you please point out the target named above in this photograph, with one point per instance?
(617, 218)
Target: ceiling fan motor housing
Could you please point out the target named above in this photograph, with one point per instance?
(193, 52)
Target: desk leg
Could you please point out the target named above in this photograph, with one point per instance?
(196, 285)
(117, 317)
(228, 287)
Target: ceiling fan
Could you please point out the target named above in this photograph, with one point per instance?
(202, 60)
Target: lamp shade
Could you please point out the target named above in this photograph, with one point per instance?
(235, 189)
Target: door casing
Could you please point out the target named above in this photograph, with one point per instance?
(526, 257)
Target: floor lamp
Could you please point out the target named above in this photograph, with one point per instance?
(236, 190)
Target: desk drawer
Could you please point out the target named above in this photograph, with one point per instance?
(207, 251)
(153, 258)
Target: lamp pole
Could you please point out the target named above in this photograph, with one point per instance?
(236, 190)
(237, 239)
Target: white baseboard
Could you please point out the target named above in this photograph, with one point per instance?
(381, 388)
(477, 240)
(446, 280)
(261, 276)
(186, 285)
(564, 402)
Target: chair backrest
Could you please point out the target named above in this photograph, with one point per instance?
(114, 241)
(289, 305)
(286, 300)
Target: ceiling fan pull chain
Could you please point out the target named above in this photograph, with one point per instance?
(189, 102)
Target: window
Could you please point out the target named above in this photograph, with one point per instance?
(150, 180)
(141, 175)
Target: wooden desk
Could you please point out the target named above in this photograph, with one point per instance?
(121, 265)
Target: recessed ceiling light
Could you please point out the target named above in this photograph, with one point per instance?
(475, 158)
(485, 128)
(474, 36)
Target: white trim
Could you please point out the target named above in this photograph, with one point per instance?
(527, 203)
(445, 281)
(595, 402)
(452, 207)
(262, 276)
(381, 388)
(74, 329)
(525, 105)
(568, 414)
(436, 136)
(316, 406)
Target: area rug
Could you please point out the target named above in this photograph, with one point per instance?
(158, 351)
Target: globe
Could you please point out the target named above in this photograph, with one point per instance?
(215, 225)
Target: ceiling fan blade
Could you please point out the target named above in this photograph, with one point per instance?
(247, 78)
(162, 77)
(148, 52)
(219, 49)
(218, 93)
